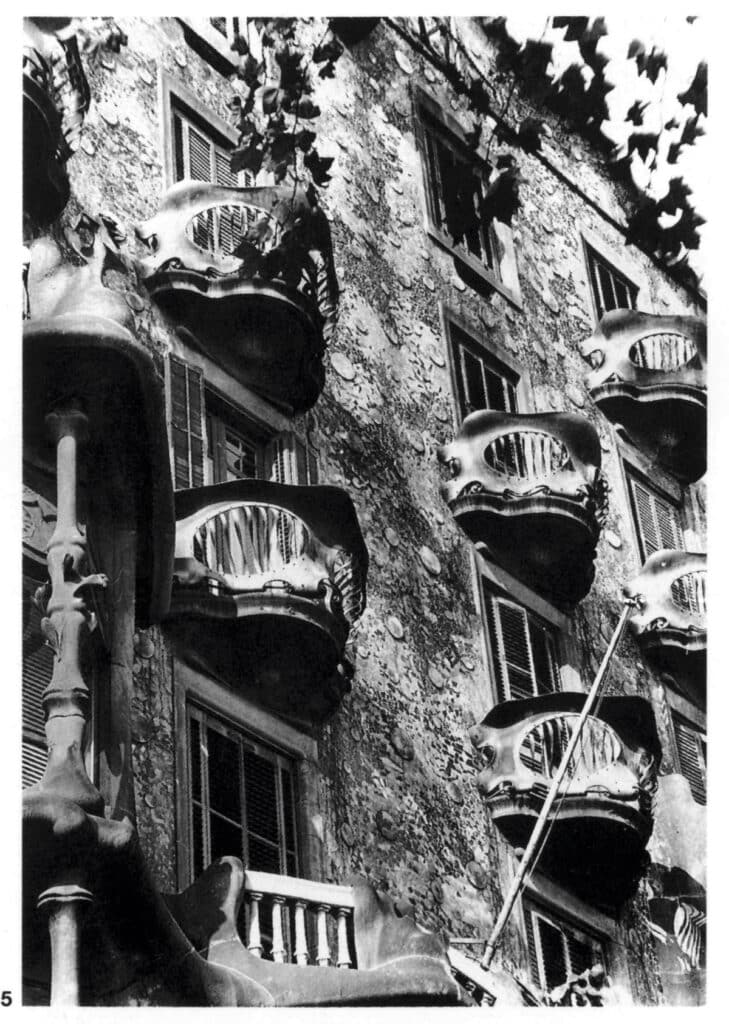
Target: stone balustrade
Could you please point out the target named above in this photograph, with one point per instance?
(603, 815)
(287, 567)
(649, 376)
(292, 920)
(526, 488)
(250, 273)
(669, 621)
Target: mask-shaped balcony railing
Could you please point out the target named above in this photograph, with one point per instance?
(289, 565)
(250, 273)
(527, 490)
(649, 375)
(669, 622)
(603, 816)
(56, 97)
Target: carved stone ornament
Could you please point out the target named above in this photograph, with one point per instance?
(220, 265)
(649, 376)
(604, 816)
(527, 489)
(39, 521)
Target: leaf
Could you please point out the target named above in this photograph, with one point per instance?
(696, 94)
(330, 51)
(305, 140)
(691, 131)
(318, 166)
(240, 45)
(307, 109)
(473, 138)
(270, 99)
(530, 134)
(635, 114)
(246, 158)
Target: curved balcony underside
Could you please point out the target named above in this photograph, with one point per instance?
(649, 377)
(263, 315)
(98, 362)
(282, 569)
(524, 491)
(603, 817)
(670, 620)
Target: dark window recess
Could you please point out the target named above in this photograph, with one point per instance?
(235, 448)
(186, 423)
(481, 380)
(657, 519)
(556, 950)
(243, 799)
(691, 748)
(610, 289)
(523, 650)
(456, 189)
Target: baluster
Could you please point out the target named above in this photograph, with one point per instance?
(255, 947)
(249, 551)
(301, 951)
(343, 957)
(275, 537)
(239, 529)
(323, 955)
(278, 950)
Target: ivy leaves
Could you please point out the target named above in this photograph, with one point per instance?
(275, 95)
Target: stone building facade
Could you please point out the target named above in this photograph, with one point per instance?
(344, 632)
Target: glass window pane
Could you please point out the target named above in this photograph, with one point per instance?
(226, 839)
(261, 797)
(224, 774)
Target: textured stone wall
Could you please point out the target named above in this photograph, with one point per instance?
(398, 793)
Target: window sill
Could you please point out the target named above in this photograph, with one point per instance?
(473, 266)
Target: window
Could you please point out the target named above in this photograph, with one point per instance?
(523, 650)
(242, 796)
(213, 39)
(213, 442)
(456, 180)
(657, 519)
(691, 750)
(456, 189)
(482, 381)
(202, 155)
(610, 288)
(557, 949)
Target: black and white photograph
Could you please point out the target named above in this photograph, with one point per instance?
(364, 513)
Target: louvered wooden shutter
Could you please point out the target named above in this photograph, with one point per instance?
(534, 959)
(37, 672)
(523, 649)
(657, 520)
(290, 460)
(552, 949)
(186, 419)
(691, 758)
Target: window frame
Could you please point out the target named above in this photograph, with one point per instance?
(578, 929)
(487, 592)
(245, 741)
(262, 727)
(672, 496)
(616, 260)
(502, 273)
(172, 94)
(452, 324)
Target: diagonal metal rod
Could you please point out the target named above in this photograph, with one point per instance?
(529, 859)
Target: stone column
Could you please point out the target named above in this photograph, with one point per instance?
(66, 699)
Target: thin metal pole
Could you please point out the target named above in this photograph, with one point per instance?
(536, 836)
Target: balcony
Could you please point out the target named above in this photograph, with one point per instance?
(283, 570)
(649, 375)
(287, 923)
(527, 490)
(249, 272)
(670, 621)
(603, 816)
(55, 100)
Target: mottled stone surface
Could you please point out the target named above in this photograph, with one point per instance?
(413, 822)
